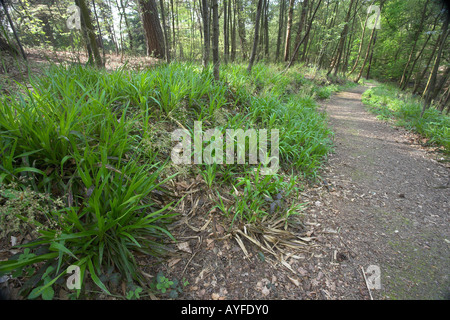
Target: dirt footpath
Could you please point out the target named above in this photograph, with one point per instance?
(384, 202)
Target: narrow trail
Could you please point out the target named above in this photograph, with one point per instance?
(385, 204)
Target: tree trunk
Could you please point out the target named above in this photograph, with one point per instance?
(432, 81)
(288, 30)
(342, 39)
(104, 9)
(226, 40)
(297, 47)
(233, 31)
(92, 39)
(166, 36)
(420, 76)
(413, 49)
(241, 28)
(14, 31)
(301, 24)
(99, 33)
(371, 40)
(360, 46)
(280, 28)
(255, 40)
(215, 42)
(127, 25)
(409, 74)
(153, 32)
(206, 36)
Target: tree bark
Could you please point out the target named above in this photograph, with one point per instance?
(255, 40)
(371, 40)
(413, 49)
(297, 47)
(153, 32)
(215, 42)
(92, 39)
(24, 56)
(241, 28)
(432, 81)
(337, 61)
(287, 43)
(206, 36)
(166, 36)
(280, 28)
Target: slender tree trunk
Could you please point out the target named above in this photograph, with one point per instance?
(166, 36)
(255, 40)
(266, 30)
(103, 11)
(127, 25)
(280, 28)
(226, 42)
(206, 36)
(297, 47)
(92, 39)
(287, 43)
(441, 83)
(371, 40)
(301, 24)
(409, 74)
(413, 49)
(215, 42)
(241, 28)
(342, 39)
(233, 31)
(420, 76)
(360, 46)
(432, 81)
(174, 46)
(99, 33)
(24, 56)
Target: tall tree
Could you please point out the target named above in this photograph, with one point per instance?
(301, 25)
(127, 24)
(226, 41)
(429, 90)
(371, 41)
(215, 42)
(308, 30)
(153, 32)
(241, 28)
(287, 43)
(416, 37)
(89, 29)
(337, 60)
(280, 27)
(166, 36)
(206, 36)
(14, 31)
(255, 40)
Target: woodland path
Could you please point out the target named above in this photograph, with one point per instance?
(387, 203)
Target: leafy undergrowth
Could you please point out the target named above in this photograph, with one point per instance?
(404, 110)
(86, 164)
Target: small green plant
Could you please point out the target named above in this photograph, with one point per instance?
(134, 294)
(171, 288)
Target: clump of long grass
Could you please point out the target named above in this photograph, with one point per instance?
(87, 137)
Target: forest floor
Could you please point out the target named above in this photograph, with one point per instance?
(382, 200)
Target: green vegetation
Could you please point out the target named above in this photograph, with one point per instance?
(89, 150)
(389, 103)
